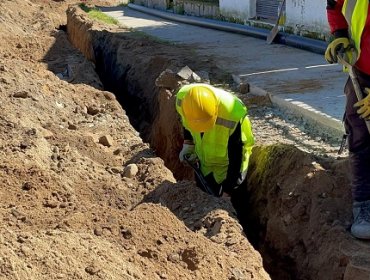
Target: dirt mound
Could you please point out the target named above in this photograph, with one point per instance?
(77, 181)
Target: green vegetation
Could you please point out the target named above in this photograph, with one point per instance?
(228, 19)
(95, 13)
(179, 9)
(125, 4)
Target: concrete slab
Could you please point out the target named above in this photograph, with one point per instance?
(295, 79)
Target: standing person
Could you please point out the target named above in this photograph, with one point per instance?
(217, 134)
(349, 22)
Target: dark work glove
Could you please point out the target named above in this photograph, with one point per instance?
(339, 46)
(231, 184)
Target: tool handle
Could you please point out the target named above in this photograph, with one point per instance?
(199, 175)
(356, 86)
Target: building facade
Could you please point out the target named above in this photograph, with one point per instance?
(300, 17)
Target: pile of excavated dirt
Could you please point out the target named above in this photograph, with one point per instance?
(89, 139)
(75, 175)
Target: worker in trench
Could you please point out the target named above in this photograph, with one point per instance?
(349, 21)
(218, 139)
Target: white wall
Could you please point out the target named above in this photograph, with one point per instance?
(302, 16)
(306, 16)
(156, 4)
(240, 9)
(201, 9)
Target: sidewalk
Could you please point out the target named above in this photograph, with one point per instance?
(296, 80)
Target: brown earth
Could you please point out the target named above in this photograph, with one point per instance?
(71, 205)
(85, 196)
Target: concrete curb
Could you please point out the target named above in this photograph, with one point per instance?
(316, 119)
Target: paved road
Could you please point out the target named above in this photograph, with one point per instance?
(298, 80)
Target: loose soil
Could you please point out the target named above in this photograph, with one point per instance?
(91, 187)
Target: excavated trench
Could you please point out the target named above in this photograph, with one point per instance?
(296, 209)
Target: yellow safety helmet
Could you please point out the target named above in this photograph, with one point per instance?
(200, 107)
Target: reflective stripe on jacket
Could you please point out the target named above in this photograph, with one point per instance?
(212, 147)
(355, 12)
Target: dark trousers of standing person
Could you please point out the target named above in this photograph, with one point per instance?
(358, 142)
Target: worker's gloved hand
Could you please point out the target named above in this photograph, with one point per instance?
(340, 46)
(188, 151)
(364, 105)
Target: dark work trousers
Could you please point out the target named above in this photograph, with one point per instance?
(239, 199)
(358, 142)
(238, 196)
(215, 188)
(218, 189)
(234, 177)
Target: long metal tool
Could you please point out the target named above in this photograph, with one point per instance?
(356, 85)
(275, 30)
(199, 175)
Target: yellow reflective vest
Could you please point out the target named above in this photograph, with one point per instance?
(355, 12)
(212, 147)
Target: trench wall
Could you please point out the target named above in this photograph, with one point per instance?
(117, 64)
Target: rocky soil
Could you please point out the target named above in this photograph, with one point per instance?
(75, 174)
(91, 187)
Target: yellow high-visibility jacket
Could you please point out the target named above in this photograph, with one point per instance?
(356, 12)
(212, 146)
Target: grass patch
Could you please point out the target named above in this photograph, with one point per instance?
(96, 14)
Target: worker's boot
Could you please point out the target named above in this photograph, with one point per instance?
(361, 219)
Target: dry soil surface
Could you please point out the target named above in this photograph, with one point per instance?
(71, 205)
(84, 197)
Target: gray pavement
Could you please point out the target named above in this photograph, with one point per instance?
(296, 80)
